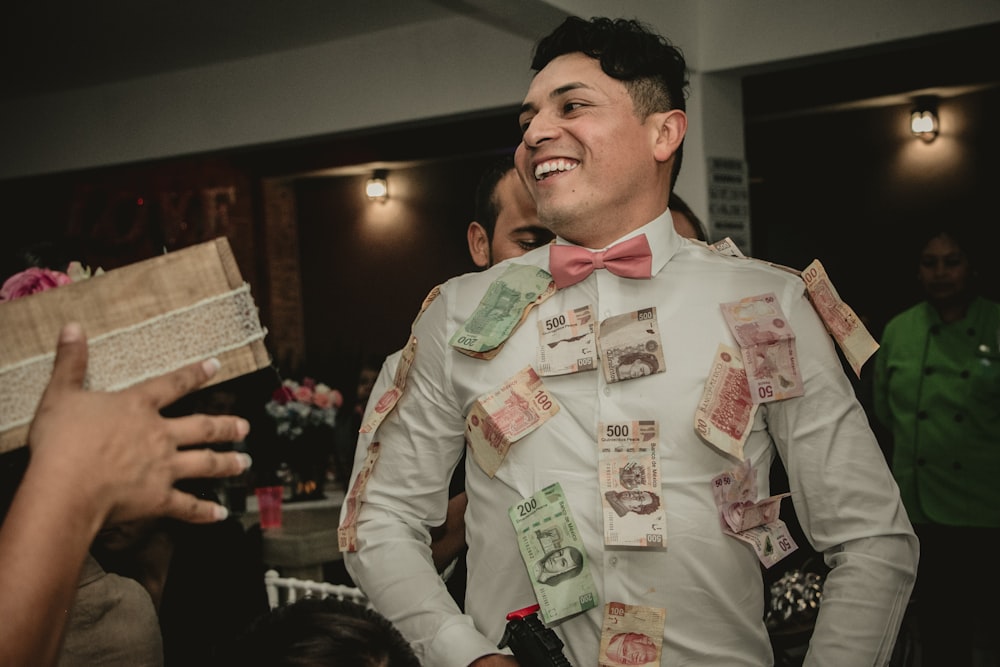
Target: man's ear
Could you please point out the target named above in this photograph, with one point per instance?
(671, 128)
(479, 245)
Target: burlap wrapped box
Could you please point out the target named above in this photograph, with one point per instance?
(141, 320)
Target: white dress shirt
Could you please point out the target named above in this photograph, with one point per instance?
(709, 583)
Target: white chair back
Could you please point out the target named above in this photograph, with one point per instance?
(281, 590)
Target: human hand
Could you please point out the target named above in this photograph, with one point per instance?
(115, 451)
(495, 660)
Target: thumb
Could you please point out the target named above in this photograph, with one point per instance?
(70, 366)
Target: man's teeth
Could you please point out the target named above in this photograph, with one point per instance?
(555, 165)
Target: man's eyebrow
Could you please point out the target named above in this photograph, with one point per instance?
(561, 90)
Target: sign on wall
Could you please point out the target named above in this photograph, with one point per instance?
(729, 201)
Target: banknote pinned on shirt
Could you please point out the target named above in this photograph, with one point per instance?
(727, 247)
(767, 344)
(631, 635)
(632, 499)
(503, 308)
(567, 343)
(840, 319)
(756, 523)
(505, 415)
(387, 401)
(554, 555)
(347, 533)
(630, 345)
(726, 411)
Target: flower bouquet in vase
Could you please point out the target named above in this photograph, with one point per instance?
(304, 416)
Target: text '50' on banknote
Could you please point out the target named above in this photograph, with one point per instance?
(504, 416)
(767, 343)
(505, 305)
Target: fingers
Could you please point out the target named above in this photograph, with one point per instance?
(202, 463)
(70, 366)
(185, 507)
(165, 389)
(198, 429)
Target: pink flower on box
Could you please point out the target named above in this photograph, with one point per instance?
(31, 281)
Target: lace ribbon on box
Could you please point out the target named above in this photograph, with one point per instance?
(127, 356)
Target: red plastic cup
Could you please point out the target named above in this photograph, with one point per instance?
(269, 506)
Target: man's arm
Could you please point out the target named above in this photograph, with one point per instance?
(421, 442)
(96, 457)
(847, 502)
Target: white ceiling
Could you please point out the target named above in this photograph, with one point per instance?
(51, 45)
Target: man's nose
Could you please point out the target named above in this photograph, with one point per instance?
(540, 129)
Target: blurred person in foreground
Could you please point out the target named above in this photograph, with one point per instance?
(314, 632)
(603, 124)
(97, 458)
(937, 389)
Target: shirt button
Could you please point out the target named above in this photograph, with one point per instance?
(607, 391)
(971, 331)
(928, 370)
(922, 414)
(964, 375)
(613, 561)
(921, 461)
(956, 465)
(959, 417)
(935, 330)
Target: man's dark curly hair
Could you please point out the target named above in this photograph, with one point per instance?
(314, 632)
(652, 69)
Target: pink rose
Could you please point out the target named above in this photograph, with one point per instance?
(323, 400)
(338, 398)
(30, 281)
(304, 394)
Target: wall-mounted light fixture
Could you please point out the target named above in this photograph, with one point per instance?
(924, 122)
(377, 187)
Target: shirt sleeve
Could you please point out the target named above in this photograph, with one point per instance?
(421, 443)
(847, 503)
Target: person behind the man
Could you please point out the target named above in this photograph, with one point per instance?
(686, 223)
(603, 124)
(506, 223)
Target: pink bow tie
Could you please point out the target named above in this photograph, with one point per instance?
(569, 264)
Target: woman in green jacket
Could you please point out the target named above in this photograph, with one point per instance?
(937, 388)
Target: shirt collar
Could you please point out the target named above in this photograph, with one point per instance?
(663, 240)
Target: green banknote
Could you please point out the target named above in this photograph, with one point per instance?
(502, 309)
(554, 554)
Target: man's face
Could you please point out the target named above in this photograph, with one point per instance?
(594, 168)
(558, 561)
(635, 500)
(944, 270)
(631, 648)
(517, 230)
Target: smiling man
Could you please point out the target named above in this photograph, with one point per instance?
(603, 125)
